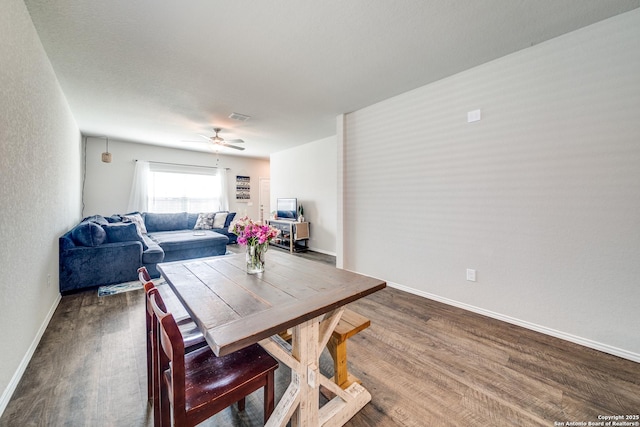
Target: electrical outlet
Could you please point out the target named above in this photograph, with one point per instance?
(473, 116)
(49, 280)
(471, 275)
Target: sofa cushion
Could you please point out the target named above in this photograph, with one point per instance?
(205, 221)
(66, 242)
(136, 218)
(191, 220)
(124, 232)
(179, 240)
(88, 234)
(166, 221)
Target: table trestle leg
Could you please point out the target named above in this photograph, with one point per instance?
(304, 347)
(286, 406)
(302, 356)
(328, 325)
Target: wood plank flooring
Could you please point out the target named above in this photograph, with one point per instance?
(425, 364)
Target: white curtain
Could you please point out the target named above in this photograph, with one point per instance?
(138, 198)
(224, 189)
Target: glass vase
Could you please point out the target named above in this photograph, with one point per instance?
(255, 257)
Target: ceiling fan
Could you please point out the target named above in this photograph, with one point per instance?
(218, 140)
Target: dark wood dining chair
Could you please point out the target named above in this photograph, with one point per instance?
(143, 275)
(197, 385)
(193, 338)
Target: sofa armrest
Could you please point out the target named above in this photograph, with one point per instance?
(106, 264)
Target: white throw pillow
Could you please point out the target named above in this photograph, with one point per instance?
(220, 219)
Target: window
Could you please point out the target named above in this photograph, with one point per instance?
(178, 188)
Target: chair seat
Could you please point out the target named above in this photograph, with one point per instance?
(226, 379)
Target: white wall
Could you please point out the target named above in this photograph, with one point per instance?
(107, 185)
(541, 197)
(40, 172)
(309, 173)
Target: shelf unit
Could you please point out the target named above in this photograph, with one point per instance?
(293, 235)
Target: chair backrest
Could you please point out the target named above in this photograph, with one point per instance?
(143, 275)
(150, 315)
(156, 305)
(148, 286)
(171, 349)
(145, 279)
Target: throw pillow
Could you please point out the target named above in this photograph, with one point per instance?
(114, 218)
(88, 234)
(204, 221)
(230, 217)
(136, 218)
(220, 219)
(124, 232)
(98, 219)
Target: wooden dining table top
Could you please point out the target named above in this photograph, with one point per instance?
(235, 309)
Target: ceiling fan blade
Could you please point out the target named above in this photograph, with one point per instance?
(216, 140)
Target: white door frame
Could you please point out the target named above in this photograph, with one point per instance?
(264, 198)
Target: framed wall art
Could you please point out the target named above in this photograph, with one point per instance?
(243, 188)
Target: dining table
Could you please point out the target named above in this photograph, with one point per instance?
(234, 309)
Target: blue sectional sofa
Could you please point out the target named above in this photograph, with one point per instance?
(108, 250)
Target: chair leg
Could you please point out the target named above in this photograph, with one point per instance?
(149, 369)
(157, 406)
(156, 384)
(269, 398)
(241, 404)
(149, 377)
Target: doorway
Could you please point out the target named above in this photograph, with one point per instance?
(264, 198)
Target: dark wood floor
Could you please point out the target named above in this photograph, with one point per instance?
(425, 364)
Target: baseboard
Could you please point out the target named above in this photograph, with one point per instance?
(13, 384)
(635, 357)
(322, 251)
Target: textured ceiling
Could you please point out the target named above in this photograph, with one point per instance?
(161, 72)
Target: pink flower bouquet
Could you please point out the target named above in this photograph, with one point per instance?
(257, 238)
(250, 233)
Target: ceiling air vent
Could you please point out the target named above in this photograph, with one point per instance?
(239, 117)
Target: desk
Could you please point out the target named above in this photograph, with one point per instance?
(235, 309)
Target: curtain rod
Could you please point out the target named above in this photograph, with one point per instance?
(182, 164)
